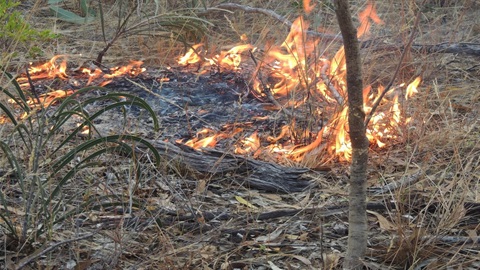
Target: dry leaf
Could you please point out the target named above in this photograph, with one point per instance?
(383, 222)
(273, 266)
(269, 237)
(245, 202)
(303, 259)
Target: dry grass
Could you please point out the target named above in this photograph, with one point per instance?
(442, 142)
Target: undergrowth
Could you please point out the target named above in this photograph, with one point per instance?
(44, 154)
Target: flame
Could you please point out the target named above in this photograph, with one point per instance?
(370, 12)
(412, 88)
(248, 145)
(56, 67)
(232, 58)
(342, 141)
(133, 69)
(92, 75)
(294, 66)
(307, 6)
(192, 56)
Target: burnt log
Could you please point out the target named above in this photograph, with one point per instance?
(244, 171)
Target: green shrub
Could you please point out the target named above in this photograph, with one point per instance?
(15, 31)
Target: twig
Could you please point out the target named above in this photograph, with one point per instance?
(405, 181)
(330, 85)
(25, 261)
(266, 89)
(397, 70)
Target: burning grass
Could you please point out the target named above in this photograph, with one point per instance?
(173, 217)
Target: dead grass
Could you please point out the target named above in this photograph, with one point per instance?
(442, 142)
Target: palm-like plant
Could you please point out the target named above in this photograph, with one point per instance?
(39, 202)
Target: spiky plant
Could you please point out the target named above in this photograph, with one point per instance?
(40, 157)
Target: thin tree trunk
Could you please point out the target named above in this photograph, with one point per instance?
(357, 231)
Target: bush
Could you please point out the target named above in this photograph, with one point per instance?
(16, 32)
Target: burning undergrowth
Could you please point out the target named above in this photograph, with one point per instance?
(283, 103)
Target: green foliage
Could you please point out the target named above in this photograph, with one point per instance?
(69, 16)
(14, 30)
(42, 159)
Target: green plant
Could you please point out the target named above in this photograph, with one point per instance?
(43, 160)
(69, 16)
(15, 30)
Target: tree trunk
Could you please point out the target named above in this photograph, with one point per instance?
(357, 219)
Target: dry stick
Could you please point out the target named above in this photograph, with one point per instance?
(280, 18)
(266, 89)
(403, 182)
(32, 86)
(329, 84)
(25, 261)
(402, 58)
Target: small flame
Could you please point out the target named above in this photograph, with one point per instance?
(307, 6)
(248, 145)
(412, 88)
(342, 141)
(370, 12)
(133, 69)
(232, 58)
(192, 56)
(51, 69)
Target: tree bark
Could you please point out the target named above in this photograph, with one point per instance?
(357, 219)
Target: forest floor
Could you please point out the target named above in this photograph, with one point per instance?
(179, 217)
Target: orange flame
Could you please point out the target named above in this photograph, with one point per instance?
(248, 145)
(192, 56)
(370, 12)
(292, 66)
(50, 69)
(133, 68)
(307, 6)
(412, 88)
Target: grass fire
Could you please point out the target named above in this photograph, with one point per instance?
(219, 135)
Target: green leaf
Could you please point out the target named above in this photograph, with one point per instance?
(69, 16)
(53, 2)
(85, 8)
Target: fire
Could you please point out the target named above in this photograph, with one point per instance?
(192, 56)
(370, 12)
(285, 73)
(307, 6)
(248, 145)
(57, 68)
(412, 88)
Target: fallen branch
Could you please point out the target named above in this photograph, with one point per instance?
(245, 171)
(29, 259)
(404, 182)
